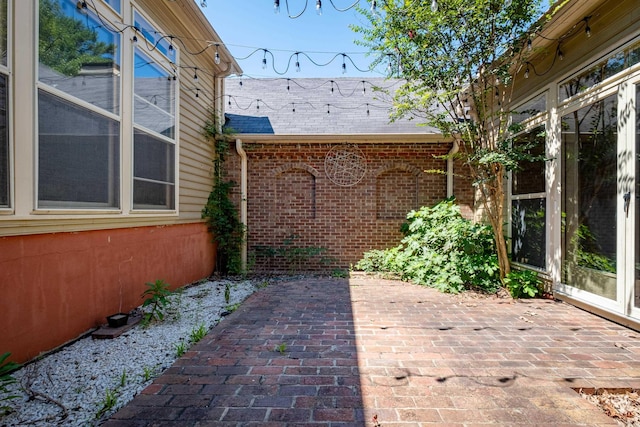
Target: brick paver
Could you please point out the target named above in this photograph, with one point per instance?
(367, 352)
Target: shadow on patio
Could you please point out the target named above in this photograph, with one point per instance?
(377, 352)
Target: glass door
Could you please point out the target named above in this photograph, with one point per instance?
(590, 199)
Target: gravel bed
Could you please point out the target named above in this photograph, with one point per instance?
(87, 381)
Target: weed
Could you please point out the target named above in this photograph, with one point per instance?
(198, 333)
(123, 378)
(282, 347)
(108, 403)
(233, 307)
(181, 348)
(6, 367)
(147, 373)
(263, 284)
(339, 273)
(227, 293)
(157, 298)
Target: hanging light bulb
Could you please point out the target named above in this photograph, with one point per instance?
(560, 54)
(367, 109)
(203, 3)
(216, 57)
(332, 87)
(328, 110)
(198, 90)
(195, 75)
(297, 63)
(229, 101)
(170, 43)
(374, 7)
(364, 89)
(264, 60)
(587, 28)
(344, 64)
(526, 73)
(294, 107)
(529, 47)
(288, 87)
(134, 39)
(276, 6)
(434, 6)
(257, 104)
(82, 7)
(319, 7)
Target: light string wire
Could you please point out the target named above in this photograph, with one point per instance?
(109, 25)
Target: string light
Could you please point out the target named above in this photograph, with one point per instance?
(297, 63)
(264, 60)
(195, 75)
(82, 7)
(216, 57)
(374, 7)
(170, 43)
(526, 72)
(319, 7)
(203, 3)
(344, 64)
(529, 44)
(276, 6)
(587, 28)
(434, 6)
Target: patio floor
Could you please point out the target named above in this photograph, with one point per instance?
(373, 352)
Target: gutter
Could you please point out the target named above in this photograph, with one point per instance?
(455, 147)
(243, 200)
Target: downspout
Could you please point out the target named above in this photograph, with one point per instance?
(454, 149)
(243, 200)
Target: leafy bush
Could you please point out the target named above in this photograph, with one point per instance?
(441, 249)
(522, 283)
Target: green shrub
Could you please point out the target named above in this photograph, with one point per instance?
(522, 283)
(441, 249)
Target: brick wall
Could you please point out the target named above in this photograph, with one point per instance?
(290, 194)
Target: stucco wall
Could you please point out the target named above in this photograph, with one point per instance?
(56, 287)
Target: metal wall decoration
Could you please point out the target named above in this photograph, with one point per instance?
(345, 165)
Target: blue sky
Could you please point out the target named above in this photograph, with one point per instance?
(247, 25)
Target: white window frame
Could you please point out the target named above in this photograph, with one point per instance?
(6, 70)
(171, 67)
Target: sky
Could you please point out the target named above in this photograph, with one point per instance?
(247, 27)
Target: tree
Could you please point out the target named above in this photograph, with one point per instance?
(458, 58)
(66, 43)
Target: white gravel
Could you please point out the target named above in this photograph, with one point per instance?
(73, 386)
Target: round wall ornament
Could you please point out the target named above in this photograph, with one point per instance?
(345, 165)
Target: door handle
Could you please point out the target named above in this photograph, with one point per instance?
(627, 201)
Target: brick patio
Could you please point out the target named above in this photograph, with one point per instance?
(364, 349)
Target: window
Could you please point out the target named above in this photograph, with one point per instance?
(528, 203)
(530, 109)
(607, 67)
(78, 108)
(78, 156)
(154, 117)
(4, 116)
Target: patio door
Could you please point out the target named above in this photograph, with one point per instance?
(600, 194)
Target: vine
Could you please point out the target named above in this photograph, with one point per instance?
(221, 214)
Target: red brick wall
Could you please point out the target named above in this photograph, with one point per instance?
(289, 194)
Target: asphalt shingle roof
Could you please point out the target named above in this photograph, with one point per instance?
(314, 106)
